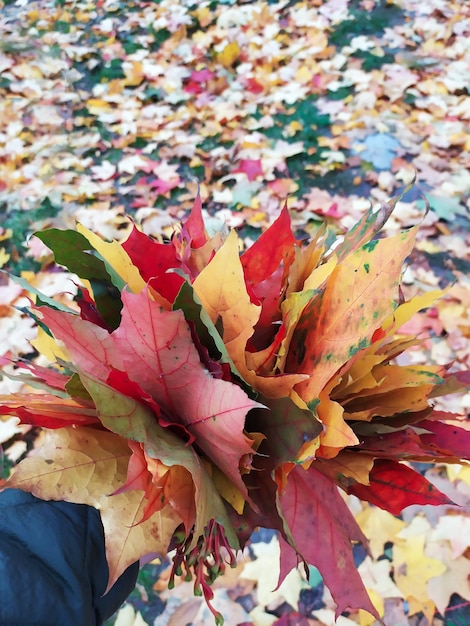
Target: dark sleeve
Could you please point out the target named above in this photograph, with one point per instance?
(53, 569)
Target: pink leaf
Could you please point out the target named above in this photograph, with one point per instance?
(154, 347)
(251, 167)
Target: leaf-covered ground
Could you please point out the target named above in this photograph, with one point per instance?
(110, 108)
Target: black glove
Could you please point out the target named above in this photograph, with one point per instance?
(53, 569)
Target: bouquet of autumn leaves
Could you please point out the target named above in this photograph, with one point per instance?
(196, 394)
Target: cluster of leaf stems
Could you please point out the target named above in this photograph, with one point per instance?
(205, 561)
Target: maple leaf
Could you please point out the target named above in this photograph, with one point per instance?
(73, 250)
(365, 229)
(413, 568)
(425, 440)
(321, 525)
(206, 336)
(265, 267)
(162, 485)
(342, 319)
(153, 261)
(192, 243)
(348, 466)
(394, 486)
(338, 433)
(85, 466)
(196, 503)
(115, 257)
(156, 348)
(455, 579)
(379, 526)
(222, 291)
(286, 427)
(193, 230)
(415, 386)
(402, 444)
(229, 54)
(273, 247)
(47, 410)
(445, 438)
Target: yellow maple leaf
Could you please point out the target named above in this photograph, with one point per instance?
(80, 465)
(380, 526)
(406, 310)
(337, 433)
(114, 254)
(96, 106)
(229, 54)
(456, 578)
(49, 347)
(318, 276)
(4, 257)
(365, 618)
(348, 311)
(304, 263)
(134, 73)
(291, 309)
(358, 377)
(222, 291)
(225, 487)
(413, 568)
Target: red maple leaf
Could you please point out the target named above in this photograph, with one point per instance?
(323, 529)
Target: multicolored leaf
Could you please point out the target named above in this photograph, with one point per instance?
(133, 420)
(223, 293)
(359, 295)
(83, 465)
(155, 347)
